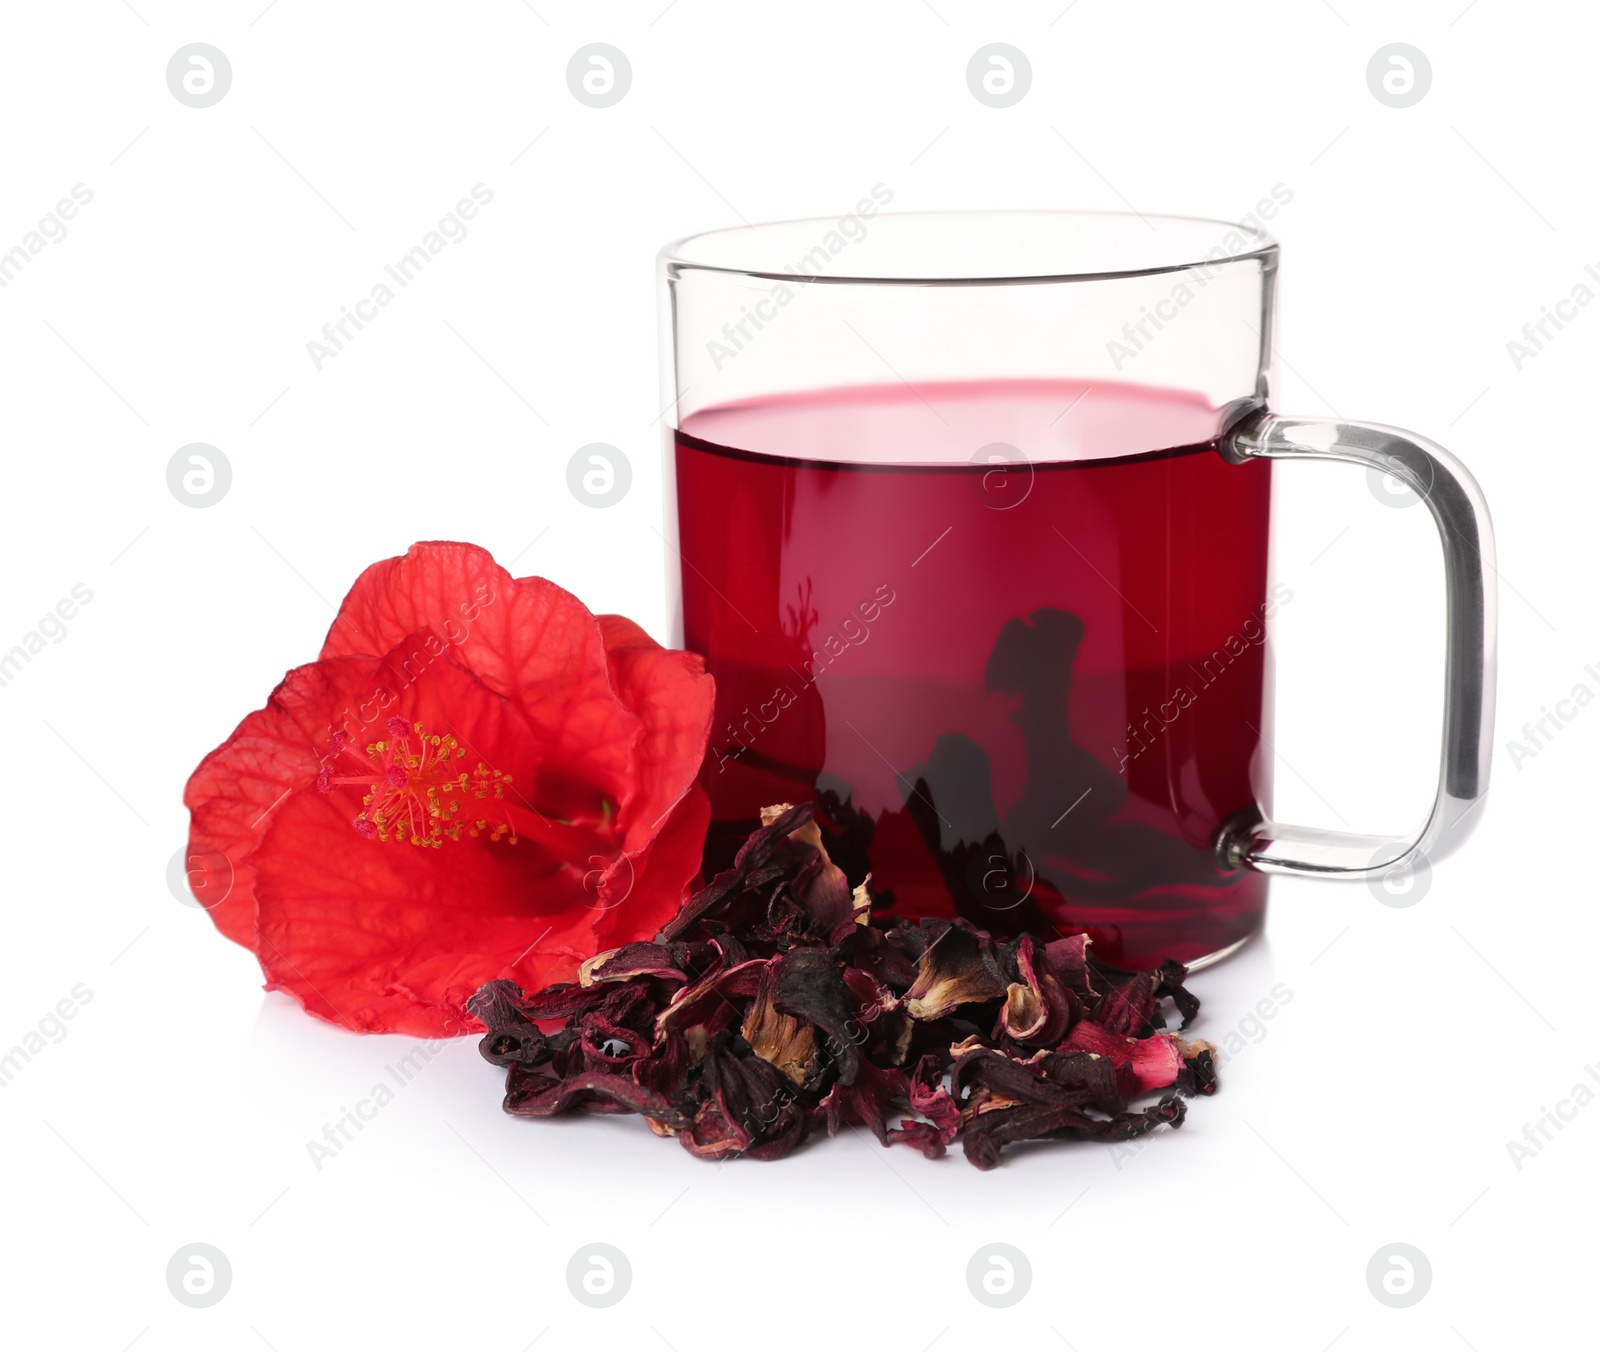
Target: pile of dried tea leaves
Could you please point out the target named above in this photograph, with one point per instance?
(772, 1006)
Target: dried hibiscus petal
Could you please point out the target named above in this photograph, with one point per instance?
(512, 1038)
(631, 960)
(866, 1100)
(1131, 1007)
(923, 1136)
(708, 1005)
(1170, 984)
(1057, 1078)
(1038, 1009)
(609, 1046)
(810, 987)
(755, 865)
(989, 1133)
(826, 895)
(590, 1091)
(782, 1039)
(1198, 1074)
(1067, 960)
(867, 948)
(774, 1004)
(958, 968)
(747, 1107)
(930, 1098)
(1155, 1061)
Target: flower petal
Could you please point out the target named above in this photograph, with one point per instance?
(672, 697)
(526, 639)
(662, 874)
(1154, 1060)
(235, 790)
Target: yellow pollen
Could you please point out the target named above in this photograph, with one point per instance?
(419, 792)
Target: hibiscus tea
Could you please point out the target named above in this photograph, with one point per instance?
(1010, 635)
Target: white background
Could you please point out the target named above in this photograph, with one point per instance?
(1374, 1108)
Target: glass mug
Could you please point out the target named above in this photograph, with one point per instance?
(969, 514)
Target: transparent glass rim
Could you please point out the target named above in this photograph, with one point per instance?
(713, 251)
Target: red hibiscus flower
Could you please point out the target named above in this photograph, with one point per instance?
(476, 779)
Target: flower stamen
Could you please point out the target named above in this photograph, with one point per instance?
(416, 791)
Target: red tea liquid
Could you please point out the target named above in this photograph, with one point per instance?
(1032, 688)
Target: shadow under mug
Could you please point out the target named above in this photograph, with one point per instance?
(969, 515)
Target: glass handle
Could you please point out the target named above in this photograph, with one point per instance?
(1462, 516)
